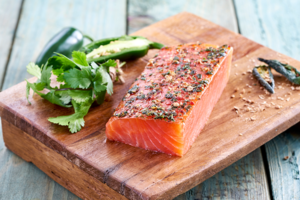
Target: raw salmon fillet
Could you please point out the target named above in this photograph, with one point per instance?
(168, 105)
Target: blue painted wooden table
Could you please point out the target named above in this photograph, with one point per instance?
(26, 26)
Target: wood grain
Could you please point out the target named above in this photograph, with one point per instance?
(40, 20)
(9, 12)
(260, 21)
(283, 160)
(139, 174)
(279, 32)
(55, 165)
(145, 13)
(245, 179)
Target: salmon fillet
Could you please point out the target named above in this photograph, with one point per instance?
(168, 105)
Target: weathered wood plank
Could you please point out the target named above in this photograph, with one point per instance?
(244, 179)
(260, 21)
(144, 13)
(57, 167)
(114, 167)
(9, 12)
(40, 20)
(283, 159)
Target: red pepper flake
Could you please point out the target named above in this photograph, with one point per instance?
(192, 103)
(168, 102)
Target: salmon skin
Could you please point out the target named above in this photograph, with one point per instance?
(169, 103)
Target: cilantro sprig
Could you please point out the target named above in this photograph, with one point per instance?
(80, 85)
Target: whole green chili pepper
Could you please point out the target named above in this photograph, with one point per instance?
(123, 48)
(265, 77)
(290, 72)
(65, 42)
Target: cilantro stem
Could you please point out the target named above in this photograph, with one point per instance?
(121, 65)
(72, 89)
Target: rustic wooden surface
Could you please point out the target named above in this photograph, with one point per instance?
(281, 33)
(39, 21)
(55, 165)
(257, 20)
(176, 175)
(9, 13)
(145, 13)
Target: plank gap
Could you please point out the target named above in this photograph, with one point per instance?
(267, 170)
(236, 16)
(127, 17)
(11, 45)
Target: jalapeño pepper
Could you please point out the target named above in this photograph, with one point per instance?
(123, 48)
(67, 40)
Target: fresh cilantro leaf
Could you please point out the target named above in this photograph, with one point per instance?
(80, 96)
(46, 74)
(74, 121)
(78, 78)
(50, 96)
(109, 63)
(106, 80)
(99, 85)
(59, 62)
(76, 75)
(66, 58)
(58, 72)
(33, 87)
(66, 99)
(60, 78)
(34, 70)
(100, 96)
(55, 99)
(64, 96)
(79, 58)
(40, 86)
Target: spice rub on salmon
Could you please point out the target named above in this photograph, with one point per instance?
(169, 103)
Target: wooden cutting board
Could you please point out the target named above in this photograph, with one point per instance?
(94, 168)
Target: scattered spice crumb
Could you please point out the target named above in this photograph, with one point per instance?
(240, 134)
(252, 118)
(232, 96)
(285, 158)
(235, 108)
(280, 98)
(278, 106)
